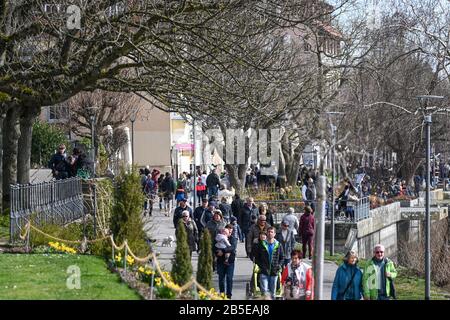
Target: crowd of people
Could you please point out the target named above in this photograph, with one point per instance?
(65, 166)
(279, 255)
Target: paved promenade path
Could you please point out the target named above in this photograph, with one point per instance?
(162, 226)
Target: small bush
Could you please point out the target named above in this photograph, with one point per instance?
(205, 261)
(181, 264)
(126, 222)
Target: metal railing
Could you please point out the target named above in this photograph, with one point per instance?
(56, 202)
(357, 210)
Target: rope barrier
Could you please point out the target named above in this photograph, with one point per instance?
(125, 245)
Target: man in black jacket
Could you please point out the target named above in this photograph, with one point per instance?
(198, 213)
(213, 183)
(168, 189)
(248, 210)
(269, 257)
(59, 165)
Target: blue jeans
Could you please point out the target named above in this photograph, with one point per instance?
(212, 191)
(268, 285)
(225, 276)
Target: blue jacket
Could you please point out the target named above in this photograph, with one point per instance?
(342, 279)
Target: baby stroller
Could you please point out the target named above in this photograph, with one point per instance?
(253, 290)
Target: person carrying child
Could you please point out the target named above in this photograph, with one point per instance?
(223, 243)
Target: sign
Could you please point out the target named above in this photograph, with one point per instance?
(184, 146)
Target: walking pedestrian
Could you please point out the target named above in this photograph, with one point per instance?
(225, 271)
(168, 189)
(286, 237)
(307, 228)
(178, 213)
(347, 284)
(213, 183)
(253, 233)
(226, 210)
(378, 276)
(191, 230)
(297, 279)
(198, 213)
(269, 258)
(292, 219)
(248, 210)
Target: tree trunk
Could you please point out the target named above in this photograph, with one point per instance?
(237, 176)
(23, 158)
(282, 168)
(2, 117)
(10, 143)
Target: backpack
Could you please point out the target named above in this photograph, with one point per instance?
(149, 186)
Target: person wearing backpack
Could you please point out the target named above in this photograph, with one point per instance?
(347, 284)
(306, 230)
(378, 277)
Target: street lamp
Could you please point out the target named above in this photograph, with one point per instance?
(92, 117)
(427, 120)
(132, 119)
(333, 152)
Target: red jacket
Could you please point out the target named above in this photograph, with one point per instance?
(304, 275)
(307, 225)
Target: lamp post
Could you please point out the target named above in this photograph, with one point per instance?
(132, 119)
(333, 151)
(427, 120)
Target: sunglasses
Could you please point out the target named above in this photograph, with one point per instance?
(379, 251)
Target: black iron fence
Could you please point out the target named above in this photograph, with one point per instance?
(57, 202)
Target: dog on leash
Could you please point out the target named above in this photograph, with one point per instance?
(168, 241)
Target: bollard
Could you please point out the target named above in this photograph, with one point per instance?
(153, 279)
(125, 258)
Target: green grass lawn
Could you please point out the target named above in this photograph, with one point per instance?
(408, 285)
(4, 228)
(40, 276)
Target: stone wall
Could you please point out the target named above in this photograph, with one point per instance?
(379, 218)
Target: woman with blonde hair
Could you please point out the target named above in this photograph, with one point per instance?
(347, 284)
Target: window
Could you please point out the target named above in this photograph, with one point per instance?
(58, 113)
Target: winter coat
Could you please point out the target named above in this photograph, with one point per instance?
(266, 266)
(236, 207)
(192, 235)
(342, 280)
(293, 222)
(287, 245)
(226, 211)
(212, 180)
(177, 215)
(214, 227)
(307, 225)
(198, 213)
(246, 214)
(304, 283)
(253, 235)
(206, 217)
(168, 186)
(58, 163)
(369, 279)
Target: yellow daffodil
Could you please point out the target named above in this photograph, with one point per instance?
(141, 269)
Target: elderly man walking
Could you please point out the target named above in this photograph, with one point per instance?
(292, 220)
(378, 276)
